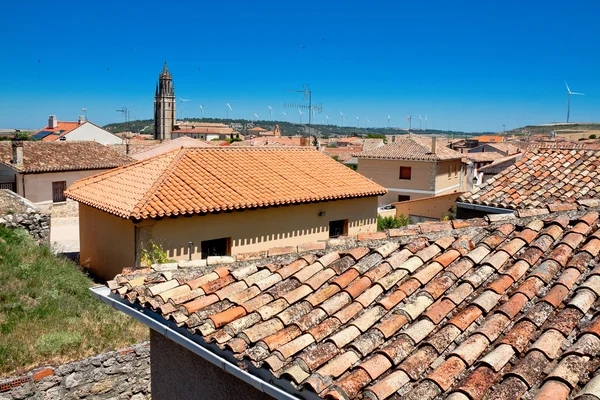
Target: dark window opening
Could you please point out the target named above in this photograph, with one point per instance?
(402, 197)
(215, 247)
(58, 191)
(338, 228)
(405, 172)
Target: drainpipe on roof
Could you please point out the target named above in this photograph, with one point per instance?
(486, 209)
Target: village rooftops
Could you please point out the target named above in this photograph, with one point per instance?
(61, 156)
(412, 148)
(501, 308)
(213, 179)
(488, 139)
(168, 145)
(545, 177)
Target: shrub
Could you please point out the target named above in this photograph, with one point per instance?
(592, 136)
(156, 255)
(384, 223)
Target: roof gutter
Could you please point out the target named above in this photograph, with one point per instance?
(486, 209)
(145, 316)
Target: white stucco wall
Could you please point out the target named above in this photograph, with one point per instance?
(38, 187)
(91, 132)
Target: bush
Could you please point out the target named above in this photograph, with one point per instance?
(156, 255)
(384, 223)
(592, 136)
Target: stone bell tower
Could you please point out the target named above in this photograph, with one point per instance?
(164, 105)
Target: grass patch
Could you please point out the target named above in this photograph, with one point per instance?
(47, 314)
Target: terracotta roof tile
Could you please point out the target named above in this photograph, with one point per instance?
(420, 320)
(163, 185)
(411, 148)
(63, 156)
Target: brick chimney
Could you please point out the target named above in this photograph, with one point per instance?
(17, 153)
(52, 121)
(433, 144)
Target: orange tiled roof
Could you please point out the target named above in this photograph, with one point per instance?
(39, 156)
(213, 179)
(168, 145)
(506, 313)
(546, 177)
(62, 128)
(487, 156)
(411, 148)
(488, 139)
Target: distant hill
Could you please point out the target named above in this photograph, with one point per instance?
(560, 126)
(287, 128)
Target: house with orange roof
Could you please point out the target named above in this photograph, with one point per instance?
(412, 167)
(199, 204)
(82, 130)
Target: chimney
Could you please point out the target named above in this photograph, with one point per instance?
(52, 122)
(433, 144)
(17, 153)
(81, 120)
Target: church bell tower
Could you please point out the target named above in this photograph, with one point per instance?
(164, 106)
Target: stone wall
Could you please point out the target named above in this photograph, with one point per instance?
(121, 374)
(18, 212)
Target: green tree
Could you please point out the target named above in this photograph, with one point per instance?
(391, 222)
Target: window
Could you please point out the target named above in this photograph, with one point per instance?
(58, 191)
(402, 197)
(338, 228)
(215, 247)
(405, 173)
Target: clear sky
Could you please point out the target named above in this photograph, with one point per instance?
(468, 65)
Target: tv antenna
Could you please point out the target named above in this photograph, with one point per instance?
(84, 110)
(125, 112)
(311, 109)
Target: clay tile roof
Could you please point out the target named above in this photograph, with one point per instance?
(63, 156)
(168, 145)
(411, 148)
(506, 147)
(488, 139)
(61, 129)
(545, 177)
(213, 179)
(483, 157)
(500, 312)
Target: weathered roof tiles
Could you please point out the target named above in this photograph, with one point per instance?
(504, 312)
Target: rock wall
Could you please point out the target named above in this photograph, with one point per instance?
(121, 374)
(18, 212)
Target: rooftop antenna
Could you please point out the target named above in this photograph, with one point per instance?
(270, 112)
(300, 111)
(389, 117)
(569, 99)
(342, 114)
(307, 96)
(201, 111)
(284, 113)
(182, 101)
(228, 109)
(125, 111)
(409, 118)
(84, 110)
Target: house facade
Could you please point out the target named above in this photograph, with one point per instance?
(202, 202)
(82, 130)
(412, 168)
(41, 171)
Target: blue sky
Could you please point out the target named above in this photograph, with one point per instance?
(468, 65)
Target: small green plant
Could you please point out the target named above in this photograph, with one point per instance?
(231, 140)
(450, 215)
(592, 136)
(10, 212)
(155, 255)
(385, 223)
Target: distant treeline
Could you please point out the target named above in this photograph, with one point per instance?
(287, 128)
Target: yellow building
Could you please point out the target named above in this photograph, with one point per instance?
(412, 168)
(201, 202)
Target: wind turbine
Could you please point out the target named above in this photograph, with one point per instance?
(183, 101)
(425, 121)
(228, 109)
(201, 111)
(270, 112)
(358, 119)
(284, 113)
(255, 117)
(342, 114)
(327, 118)
(409, 119)
(420, 120)
(300, 111)
(389, 117)
(569, 100)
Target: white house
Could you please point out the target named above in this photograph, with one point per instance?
(81, 130)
